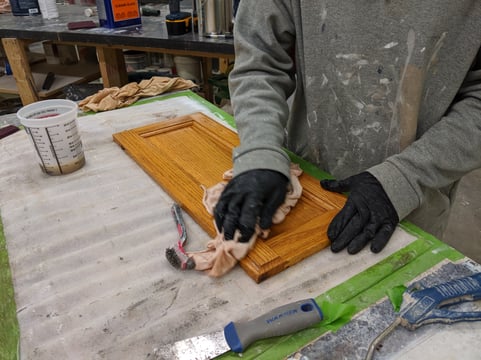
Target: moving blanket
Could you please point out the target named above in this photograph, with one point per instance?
(86, 253)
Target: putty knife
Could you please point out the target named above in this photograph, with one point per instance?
(237, 336)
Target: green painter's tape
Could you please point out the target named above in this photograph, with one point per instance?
(9, 330)
(364, 289)
(395, 295)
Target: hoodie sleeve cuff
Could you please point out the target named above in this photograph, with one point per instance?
(261, 158)
(399, 190)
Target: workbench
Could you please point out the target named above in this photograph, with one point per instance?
(19, 31)
(91, 281)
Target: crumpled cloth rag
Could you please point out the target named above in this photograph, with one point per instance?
(114, 97)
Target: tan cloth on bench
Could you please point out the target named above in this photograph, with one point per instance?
(114, 97)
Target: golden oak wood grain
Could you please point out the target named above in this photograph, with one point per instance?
(188, 152)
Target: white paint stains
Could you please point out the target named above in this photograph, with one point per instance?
(341, 161)
(391, 106)
(358, 61)
(323, 13)
(311, 118)
(323, 17)
(349, 56)
(335, 95)
(371, 108)
(362, 62)
(427, 93)
(410, 41)
(325, 80)
(376, 126)
(310, 80)
(436, 50)
(357, 131)
(391, 45)
(358, 104)
(345, 78)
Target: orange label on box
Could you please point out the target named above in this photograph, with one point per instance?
(125, 9)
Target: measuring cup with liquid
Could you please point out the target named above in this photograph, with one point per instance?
(52, 128)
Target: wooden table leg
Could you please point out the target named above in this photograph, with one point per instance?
(206, 73)
(18, 59)
(112, 66)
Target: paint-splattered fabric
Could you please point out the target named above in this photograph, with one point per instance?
(383, 86)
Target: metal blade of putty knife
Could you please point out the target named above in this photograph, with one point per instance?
(237, 336)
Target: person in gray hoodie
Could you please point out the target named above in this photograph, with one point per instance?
(386, 97)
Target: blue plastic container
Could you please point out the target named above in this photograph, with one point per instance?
(118, 13)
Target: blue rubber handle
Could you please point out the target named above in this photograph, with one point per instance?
(283, 320)
(426, 306)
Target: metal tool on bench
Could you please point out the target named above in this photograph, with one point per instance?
(176, 255)
(237, 336)
(425, 306)
(179, 221)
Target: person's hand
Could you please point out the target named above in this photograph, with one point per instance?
(249, 197)
(368, 214)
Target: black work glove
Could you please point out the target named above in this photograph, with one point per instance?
(368, 214)
(253, 195)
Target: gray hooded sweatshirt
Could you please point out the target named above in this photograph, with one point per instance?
(387, 86)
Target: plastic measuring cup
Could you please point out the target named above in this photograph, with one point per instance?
(52, 128)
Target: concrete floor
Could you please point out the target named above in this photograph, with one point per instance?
(464, 227)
